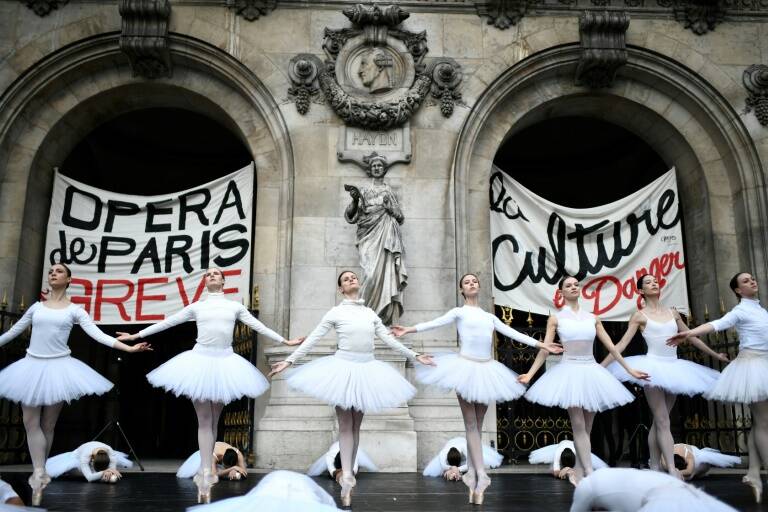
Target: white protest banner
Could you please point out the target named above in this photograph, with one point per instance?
(535, 242)
(138, 259)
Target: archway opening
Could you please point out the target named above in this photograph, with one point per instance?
(579, 162)
(149, 151)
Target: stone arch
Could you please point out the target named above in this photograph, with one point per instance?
(684, 118)
(65, 95)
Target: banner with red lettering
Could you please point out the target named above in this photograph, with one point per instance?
(535, 242)
(138, 259)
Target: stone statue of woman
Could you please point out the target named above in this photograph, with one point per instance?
(378, 216)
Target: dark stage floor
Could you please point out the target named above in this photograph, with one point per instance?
(156, 492)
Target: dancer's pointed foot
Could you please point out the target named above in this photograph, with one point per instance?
(470, 480)
(483, 482)
(348, 482)
(38, 481)
(204, 482)
(757, 486)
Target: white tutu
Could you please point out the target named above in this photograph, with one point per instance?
(546, 455)
(208, 373)
(579, 382)
(59, 464)
(476, 381)
(681, 498)
(491, 458)
(744, 380)
(714, 457)
(677, 376)
(279, 491)
(352, 380)
(37, 381)
(190, 466)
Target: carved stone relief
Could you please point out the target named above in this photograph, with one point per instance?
(44, 7)
(375, 75)
(755, 80)
(144, 36)
(252, 10)
(603, 47)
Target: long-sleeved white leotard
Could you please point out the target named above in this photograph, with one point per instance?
(84, 453)
(475, 328)
(215, 317)
(750, 320)
(51, 328)
(355, 325)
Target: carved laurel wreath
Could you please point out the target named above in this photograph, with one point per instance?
(308, 75)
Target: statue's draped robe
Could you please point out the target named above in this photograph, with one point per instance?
(382, 254)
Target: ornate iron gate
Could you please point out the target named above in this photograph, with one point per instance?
(237, 425)
(13, 437)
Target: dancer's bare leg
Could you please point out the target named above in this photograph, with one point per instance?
(37, 451)
(659, 404)
(357, 421)
(755, 463)
(49, 416)
(474, 445)
(346, 419)
(483, 480)
(581, 439)
(759, 445)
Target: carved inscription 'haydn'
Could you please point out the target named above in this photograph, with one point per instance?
(356, 143)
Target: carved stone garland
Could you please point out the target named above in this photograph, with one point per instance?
(44, 7)
(144, 36)
(755, 80)
(603, 47)
(252, 10)
(699, 16)
(502, 14)
(377, 25)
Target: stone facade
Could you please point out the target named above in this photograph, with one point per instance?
(679, 86)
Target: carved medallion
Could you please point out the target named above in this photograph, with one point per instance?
(374, 75)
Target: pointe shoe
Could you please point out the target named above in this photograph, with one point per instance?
(470, 480)
(348, 482)
(757, 487)
(38, 481)
(482, 484)
(204, 482)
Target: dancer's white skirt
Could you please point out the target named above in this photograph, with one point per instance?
(37, 381)
(279, 491)
(546, 455)
(744, 380)
(491, 459)
(578, 381)
(209, 373)
(475, 381)
(190, 467)
(352, 380)
(60, 464)
(681, 498)
(714, 457)
(677, 376)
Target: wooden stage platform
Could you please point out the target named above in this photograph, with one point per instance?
(376, 492)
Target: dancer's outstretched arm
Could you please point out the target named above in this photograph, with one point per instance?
(185, 315)
(97, 334)
(254, 323)
(20, 326)
(446, 319)
(698, 342)
(605, 339)
(549, 337)
(322, 328)
(547, 345)
(383, 334)
(634, 324)
(727, 321)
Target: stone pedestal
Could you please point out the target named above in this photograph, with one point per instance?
(296, 429)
